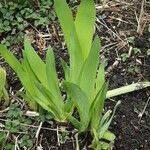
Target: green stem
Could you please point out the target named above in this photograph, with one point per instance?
(127, 89)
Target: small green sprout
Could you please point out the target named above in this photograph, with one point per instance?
(131, 39)
(12, 126)
(148, 52)
(14, 111)
(124, 57)
(26, 142)
(136, 50)
(133, 69)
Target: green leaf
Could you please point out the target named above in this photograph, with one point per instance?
(9, 146)
(26, 141)
(106, 120)
(10, 58)
(26, 66)
(136, 50)
(2, 81)
(65, 18)
(97, 107)
(33, 94)
(52, 103)
(52, 77)
(42, 101)
(104, 145)
(70, 35)
(76, 60)
(36, 64)
(124, 57)
(2, 138)
(84, 24)
(77, 124)
(100, 79)
(66, 69)
(81, 101)
(89, 70)
(148, 52)
(149, 28)
(131, 39)
(109, 136)
(28, 83)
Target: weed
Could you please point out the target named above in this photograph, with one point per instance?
(131, 39)
(63, 136)
(9, 146)
(133, 69)
(148, 52)
(14, 112)
(136, 50)
(26, 142)
(15, 17)
(124, 57)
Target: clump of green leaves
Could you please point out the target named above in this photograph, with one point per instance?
(84, 81)
(26, 142)
(14, 124)
(15, 118)
(16, 16)
(135, 50)
(133, 69)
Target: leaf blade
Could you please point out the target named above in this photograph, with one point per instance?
(52, 78)
(89, 70)
(84, 24)
(9, 57)
(70, 35)
(81, 101)
(35, 62)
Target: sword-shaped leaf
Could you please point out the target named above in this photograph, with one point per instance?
(66, 69)
(67, 24)
(100, 79)
(36, 64)
(81, 101)
(10, 58)
(2, 81)
(53, 103)
(84, 24)
(97, 107)
(89, 70)
(52, 78)
(3, 92)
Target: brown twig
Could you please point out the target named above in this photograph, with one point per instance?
(140, 19)
(143, 111)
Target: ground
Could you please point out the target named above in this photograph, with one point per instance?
(125, 54)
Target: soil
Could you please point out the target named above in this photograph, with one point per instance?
(114, 25)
